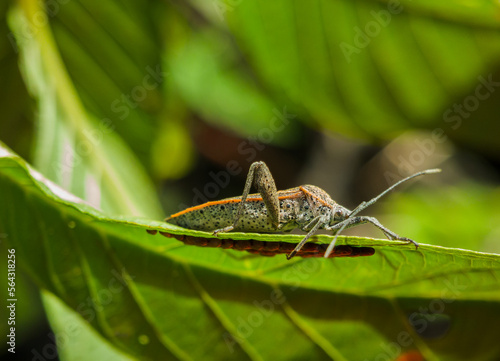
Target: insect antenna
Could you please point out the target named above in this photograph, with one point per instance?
(363, 205)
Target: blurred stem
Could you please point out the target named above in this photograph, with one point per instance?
(75, 113)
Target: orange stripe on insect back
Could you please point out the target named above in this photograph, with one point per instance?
(195, 208)
(251, 198)
(213, 203)
(291, 193)
(314, 196)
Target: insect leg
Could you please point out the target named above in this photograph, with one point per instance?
(321, 220)
(390, 234)
(356, 221)
(260, 176)
(346, 223)
(364, 205)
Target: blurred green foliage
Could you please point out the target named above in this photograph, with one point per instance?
(465, 216)
(107, 99)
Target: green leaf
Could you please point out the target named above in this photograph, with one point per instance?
(76, 339)
(29, 315)
(375, 68)
(112, 57)
(79, 148)
(15, 127)
(75, 149)
(155, 298)
(206, 72)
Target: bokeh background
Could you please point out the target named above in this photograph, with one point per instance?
(350, 96)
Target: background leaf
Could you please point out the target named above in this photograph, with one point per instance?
(76, 150)
(374, 68)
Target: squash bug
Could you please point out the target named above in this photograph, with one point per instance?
(306, 207)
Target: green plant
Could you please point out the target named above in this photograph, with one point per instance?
(114, 85)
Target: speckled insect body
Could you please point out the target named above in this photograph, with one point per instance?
(297, 208)
(307, 207)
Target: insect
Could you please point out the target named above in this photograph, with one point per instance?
(306, 207)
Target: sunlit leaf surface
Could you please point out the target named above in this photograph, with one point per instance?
(153, 297)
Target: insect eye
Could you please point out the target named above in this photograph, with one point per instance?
(340, 214)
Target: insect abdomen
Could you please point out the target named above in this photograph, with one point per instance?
(215, 215)
(206, 217)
